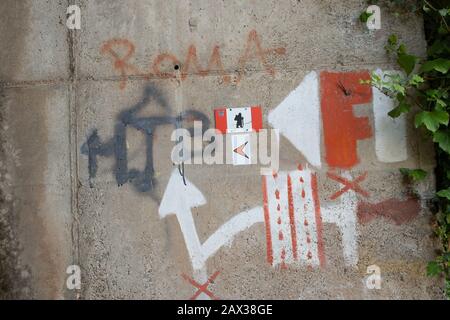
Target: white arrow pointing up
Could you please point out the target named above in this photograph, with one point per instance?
(297, 118)
(178, 199)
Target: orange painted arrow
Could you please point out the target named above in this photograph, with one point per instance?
(240, 150)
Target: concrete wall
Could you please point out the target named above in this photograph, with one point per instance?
(87, 177)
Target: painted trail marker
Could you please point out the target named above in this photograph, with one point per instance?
(297, 118)
(343, 213)
(293, 219)
(238, 120)
(241, 146)
(179, 198)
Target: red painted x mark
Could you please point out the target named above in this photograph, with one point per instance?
(349, 185)
(202, 287)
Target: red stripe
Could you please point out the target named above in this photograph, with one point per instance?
(256, 118)
(266, 218)
(292, 218)
(318, 216)
(220, 115)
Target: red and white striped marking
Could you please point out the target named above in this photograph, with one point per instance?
(293, 219)
(226, 123)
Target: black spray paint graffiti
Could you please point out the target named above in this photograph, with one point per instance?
(143, 181)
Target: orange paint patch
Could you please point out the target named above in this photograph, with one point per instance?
(267, 222)
(113, 47)
(342, 130)
(397, 211)
(292, 217)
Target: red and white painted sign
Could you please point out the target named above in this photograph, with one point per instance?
(238, 120)
(293, 219)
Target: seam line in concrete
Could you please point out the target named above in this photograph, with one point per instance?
(72, 77)
(73, 143)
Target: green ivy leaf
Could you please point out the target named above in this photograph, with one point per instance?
(364, 16)
(433, 268)
(416, 80)
(361, 81)
(431, 119)
(443, 12)
(440, 64)
(414, 174)
(403, 107)
(444, 193)
(392, 40)
(443, 139)
(407, 62)
(401, 49)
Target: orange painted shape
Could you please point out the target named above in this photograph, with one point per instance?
(256, 118)
(113, 47)
(220, 116)
(267, 221)
(170, 58)
(292, 217)
(342, 130)
(240, 150)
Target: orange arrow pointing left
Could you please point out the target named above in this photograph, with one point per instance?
(240, 150)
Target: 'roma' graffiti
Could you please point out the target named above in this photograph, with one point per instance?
(121, 52)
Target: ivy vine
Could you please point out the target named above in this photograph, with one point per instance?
(423, 88)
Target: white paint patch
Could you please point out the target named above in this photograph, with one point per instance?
(390, 134)
(225, 234)
(343, 214)
(178, 199)
(298, 118)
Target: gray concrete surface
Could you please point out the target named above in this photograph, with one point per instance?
(58, 86)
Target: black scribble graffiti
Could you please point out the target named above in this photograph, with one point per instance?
(143, 181)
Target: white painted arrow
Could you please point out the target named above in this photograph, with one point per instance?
(179, 198)
(297, 118)
(343, 214)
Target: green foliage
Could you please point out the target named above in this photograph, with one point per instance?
(406, 61)
(440, 64)
(442, 137)
(444, 193)
(434, 268)
(365, 16)
(431, 119)
(414, 174)
(422, 88)
(402, 107)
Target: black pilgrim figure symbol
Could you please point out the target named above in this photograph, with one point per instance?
(239, 120)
